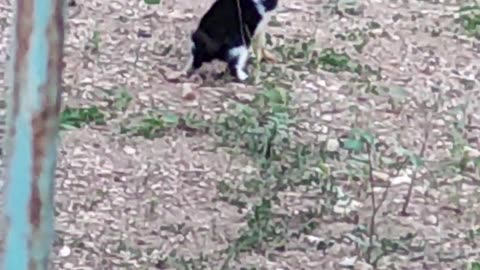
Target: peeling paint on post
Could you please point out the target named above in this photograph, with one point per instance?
(35, 84)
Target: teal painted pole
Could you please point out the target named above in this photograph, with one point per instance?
(35, 87)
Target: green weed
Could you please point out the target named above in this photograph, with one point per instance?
(152, 126)
(72, 118)
(122, 100)
(331, 61)
(470, 20)
(151, 2)
(263, 129)
(95, 41)
(157, 125)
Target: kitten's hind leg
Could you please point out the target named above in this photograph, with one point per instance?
(191, 66)
(186, 71)
(194, 59)
(237, 61)
(259, 44)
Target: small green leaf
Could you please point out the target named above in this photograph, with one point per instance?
(276, 96)
(415, 159)
(331, 61)
(475, 266)
(170, 119)
(365, 135)
(353, 144)
(122, 100)
(152, 2)
(359, 241)
(362, 135)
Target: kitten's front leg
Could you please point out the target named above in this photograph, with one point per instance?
(237, 61)
(192, 64)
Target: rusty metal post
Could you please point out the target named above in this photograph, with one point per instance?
(35, 84)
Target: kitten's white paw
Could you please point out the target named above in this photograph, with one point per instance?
(242, 75)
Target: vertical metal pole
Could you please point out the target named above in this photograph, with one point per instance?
(35, 85)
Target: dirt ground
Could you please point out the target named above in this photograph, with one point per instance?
(126, 202)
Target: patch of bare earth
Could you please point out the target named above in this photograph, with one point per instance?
(125, 202)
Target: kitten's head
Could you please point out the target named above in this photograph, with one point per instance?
(269, 4)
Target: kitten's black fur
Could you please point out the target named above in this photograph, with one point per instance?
(220, 36)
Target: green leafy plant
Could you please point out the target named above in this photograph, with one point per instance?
(331, 61)
(470, 19)
(361, 145)
(297, 55)
(263, 130)
(95, 41)
(260, 126)
(72, 118)
(157, 125)
(122, 100)
(183, 263)
(152, 126)
(260, 230)
(358, 140)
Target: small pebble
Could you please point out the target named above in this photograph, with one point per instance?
(333, 145)
(129, 150)
(401, 180)
(64, 251)
(431, 220)
(348, 262)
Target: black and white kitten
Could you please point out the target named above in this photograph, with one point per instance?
(226, 31)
